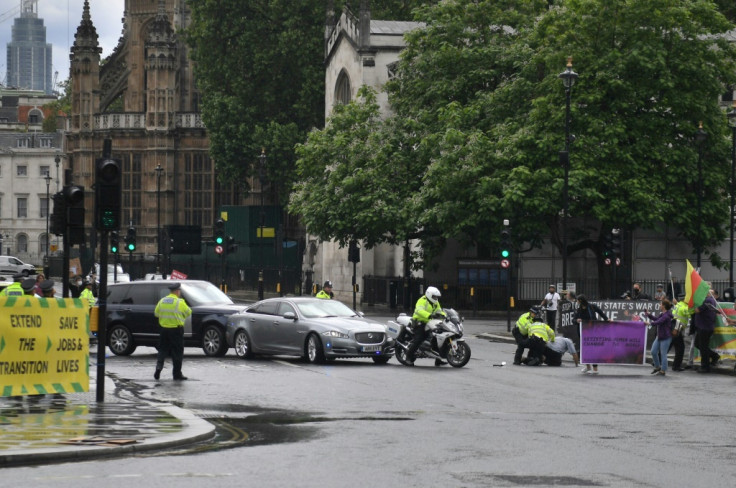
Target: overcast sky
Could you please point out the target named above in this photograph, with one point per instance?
(61, 18)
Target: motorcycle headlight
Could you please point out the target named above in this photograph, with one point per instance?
(335, 333)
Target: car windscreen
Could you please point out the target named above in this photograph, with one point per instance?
(324, 308)
(203, 294)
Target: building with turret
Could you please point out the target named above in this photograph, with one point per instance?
(144, 98)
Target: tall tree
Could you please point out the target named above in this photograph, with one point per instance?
(260, 69)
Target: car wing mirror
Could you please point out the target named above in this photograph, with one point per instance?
(290, 316)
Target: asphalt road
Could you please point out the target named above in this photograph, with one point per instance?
(282, 422)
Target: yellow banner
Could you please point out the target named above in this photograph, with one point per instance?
(44, 345)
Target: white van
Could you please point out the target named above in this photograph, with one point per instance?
(115, 274)
(10, 265)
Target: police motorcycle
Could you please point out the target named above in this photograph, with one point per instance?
(445, 341)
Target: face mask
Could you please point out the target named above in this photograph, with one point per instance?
(79, 283)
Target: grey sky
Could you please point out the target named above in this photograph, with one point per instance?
(61, 18)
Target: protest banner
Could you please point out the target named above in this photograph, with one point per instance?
(615, 342)
(621, 310)
(44, 345)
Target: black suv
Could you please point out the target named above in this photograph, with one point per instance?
(131, 323)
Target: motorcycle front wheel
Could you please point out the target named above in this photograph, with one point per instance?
(401, 355)
(460, 357)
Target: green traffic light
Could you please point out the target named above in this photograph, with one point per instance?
(219, 240)
(114, 249)
(505, 253)
(131, 247)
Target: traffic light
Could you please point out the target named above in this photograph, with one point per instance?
(353, 252)
(506, 240)
(74, 200)
(114, 242)
(231, 246)
(607, 245)
(108, 194)
(219, 232)
(130, 239)
(57, 222)
(616, 242)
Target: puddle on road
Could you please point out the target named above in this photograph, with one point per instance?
(243, 425)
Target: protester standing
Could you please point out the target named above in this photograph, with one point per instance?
(588, 312)
(681, 313)
(550, 301)
(661, 344)
(704, 318)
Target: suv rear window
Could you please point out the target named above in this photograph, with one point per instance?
(116, 294)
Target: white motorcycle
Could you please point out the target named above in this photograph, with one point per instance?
(445, 341)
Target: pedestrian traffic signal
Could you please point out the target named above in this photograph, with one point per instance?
(505, 240)
(114, 242)
(219, 232)
(130, 239)
(108, 194)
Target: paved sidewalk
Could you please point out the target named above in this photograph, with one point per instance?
(53, 428)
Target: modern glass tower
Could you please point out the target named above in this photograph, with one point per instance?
(29, 56)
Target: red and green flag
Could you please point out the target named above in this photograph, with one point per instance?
(696, 288)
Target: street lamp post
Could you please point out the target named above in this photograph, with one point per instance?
(262, 179)
(700, 137)
(158, 170)
(568, 78)
(48, 210)
(732, 123)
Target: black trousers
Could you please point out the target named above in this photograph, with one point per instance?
(551, 316)
(517, 335)
(678, 342)
(706, 353)
(171, 343)
(420, 334)
(552, 358)
(534, 344)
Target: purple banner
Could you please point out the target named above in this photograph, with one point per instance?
(613, 342)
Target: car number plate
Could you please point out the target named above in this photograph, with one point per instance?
(371, 348)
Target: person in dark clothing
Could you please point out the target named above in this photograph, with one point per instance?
(704, 318)
(638, 294)
(588, 312)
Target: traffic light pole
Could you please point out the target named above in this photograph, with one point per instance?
(102, 319)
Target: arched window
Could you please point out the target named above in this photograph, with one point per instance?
(343, 94)
(22, 243)
(43, 244)
(35, 116)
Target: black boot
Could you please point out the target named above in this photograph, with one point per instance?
(157, 374)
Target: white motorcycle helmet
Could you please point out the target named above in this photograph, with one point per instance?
(432, 294)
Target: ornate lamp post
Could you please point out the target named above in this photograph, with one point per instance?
(262, 180)
(732, 123)
(700, 137)
(158, 170)
(568, 78)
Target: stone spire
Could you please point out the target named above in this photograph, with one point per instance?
(85, 40)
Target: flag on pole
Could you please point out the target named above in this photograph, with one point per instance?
(696, 289)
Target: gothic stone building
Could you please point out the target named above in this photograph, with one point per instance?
(145, 100)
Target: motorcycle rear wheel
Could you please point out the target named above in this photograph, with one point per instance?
(459, 358)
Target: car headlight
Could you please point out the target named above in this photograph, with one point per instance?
(334, 333)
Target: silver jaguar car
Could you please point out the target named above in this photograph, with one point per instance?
(312, 328)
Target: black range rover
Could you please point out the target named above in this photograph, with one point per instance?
(131, 323)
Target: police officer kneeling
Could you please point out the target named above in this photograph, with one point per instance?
(171, 312)
(538, 334)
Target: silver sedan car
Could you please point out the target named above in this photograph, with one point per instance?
(312, 328)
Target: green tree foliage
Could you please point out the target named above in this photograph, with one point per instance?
(62, 105)
(649, 71)
(260, 70)
(356, 179)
